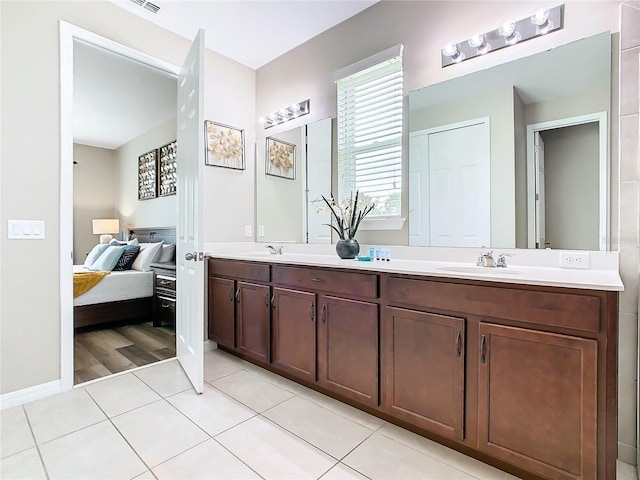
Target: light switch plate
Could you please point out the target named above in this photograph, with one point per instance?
(247, 231)
(25, 229)
(261, 230)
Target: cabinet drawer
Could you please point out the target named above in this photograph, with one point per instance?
(342, 283)
(579, 312)
(257, 272)
(165, 310)
(168, 283)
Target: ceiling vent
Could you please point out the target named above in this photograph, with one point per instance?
(152, 7)
(138, 2)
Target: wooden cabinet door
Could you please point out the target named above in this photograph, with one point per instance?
(537, 405)
(293, 337)
(348, 348)
(253, 312)
(221, 311)
(423, 370)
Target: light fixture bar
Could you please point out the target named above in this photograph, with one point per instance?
(283, 115)
(539, 23)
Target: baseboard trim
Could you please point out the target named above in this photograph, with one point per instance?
(210, 345)
(26, 395)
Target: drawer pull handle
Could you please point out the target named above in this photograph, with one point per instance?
(483, 349)
(165, 282)
(238, 295)
(324, 313)
(165, 305)
(231, 294)
(459, 343)
(311, 311)
(317, 280)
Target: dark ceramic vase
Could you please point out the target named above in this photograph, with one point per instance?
(347, 248)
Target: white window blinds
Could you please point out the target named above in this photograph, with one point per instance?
(370, 135)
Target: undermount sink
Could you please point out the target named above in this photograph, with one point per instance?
(480, 270)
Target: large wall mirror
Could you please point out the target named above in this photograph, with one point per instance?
(515, 156)
(293, 171)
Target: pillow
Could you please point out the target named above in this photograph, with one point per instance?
(117, 242)
(126, 260)
(108, 259)
(168, 251)
(147, 255)
(94, 254)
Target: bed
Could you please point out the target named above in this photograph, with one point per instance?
(121, 296)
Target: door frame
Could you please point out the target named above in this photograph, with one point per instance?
(68, 34)
(603, 192)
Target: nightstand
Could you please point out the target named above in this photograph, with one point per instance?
(164, 293)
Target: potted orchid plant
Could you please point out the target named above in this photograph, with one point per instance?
(347, 216)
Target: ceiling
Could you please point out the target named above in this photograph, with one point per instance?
(252, 32)
(115, 99)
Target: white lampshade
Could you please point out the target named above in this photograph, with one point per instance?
(104, 227)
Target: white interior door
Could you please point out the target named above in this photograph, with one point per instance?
(318, 179)
(460, 185)
(419, 189)
(541, 238)
(189, 257)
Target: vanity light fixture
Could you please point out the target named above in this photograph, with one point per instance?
(509, 33)
(294, 110)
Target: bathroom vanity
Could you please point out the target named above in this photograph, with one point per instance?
(515, 370)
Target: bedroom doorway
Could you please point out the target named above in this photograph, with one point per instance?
(125, 344)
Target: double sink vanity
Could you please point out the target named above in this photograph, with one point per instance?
(515, 366)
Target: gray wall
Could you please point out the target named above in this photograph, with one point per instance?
(94, 195)
(572, 173)
(155, 212)
(423, 27)
(30, 331)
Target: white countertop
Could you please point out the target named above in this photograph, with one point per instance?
(592, 279)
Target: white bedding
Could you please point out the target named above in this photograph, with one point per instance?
(117, 286)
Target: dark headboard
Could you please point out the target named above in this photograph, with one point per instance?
(150, 235)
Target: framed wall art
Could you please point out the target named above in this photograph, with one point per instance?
(280, 159)
(147, 175)
(167, 169)
(224, 146)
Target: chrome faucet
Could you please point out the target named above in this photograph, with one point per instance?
(502, 260)
(486, 260)
(274, 250)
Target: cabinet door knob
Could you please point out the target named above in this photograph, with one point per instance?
(311, 311)
(266, 301)
(483, 349)
(231, 294)
(238, 295)
(273, 301)
(459, 343)
(324, 313)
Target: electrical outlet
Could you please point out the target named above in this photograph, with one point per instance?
(574, 260)
(261, 230)
(247, 231)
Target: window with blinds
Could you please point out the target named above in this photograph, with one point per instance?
(370, 135)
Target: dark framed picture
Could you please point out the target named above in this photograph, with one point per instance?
(224, 145)
(280, 159)
(147, 175)
(167, 169)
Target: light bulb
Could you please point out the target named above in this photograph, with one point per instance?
(261, 119)
(476, 40)
(507, 29)
(540, 17)
(450, 50)
(295, 107)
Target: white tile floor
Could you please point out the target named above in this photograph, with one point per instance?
(248, 423)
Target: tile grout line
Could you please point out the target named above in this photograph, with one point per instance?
(120, 433)
(35, 441)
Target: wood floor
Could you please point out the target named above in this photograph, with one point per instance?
(98, 353)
